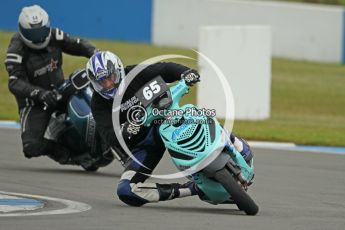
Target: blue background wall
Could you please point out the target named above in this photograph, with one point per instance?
(128, 20)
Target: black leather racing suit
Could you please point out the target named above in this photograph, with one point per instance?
(32, 71)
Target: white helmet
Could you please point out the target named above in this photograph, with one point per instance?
(105, 71)
(34, 27)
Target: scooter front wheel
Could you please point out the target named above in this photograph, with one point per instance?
(241, 198)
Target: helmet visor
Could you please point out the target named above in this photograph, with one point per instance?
(35, 35)
(107, 82)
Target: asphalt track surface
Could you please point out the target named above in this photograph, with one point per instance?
(294, 190)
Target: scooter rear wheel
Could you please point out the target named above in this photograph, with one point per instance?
(91, 168)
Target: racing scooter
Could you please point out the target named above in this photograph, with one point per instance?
(73, 126)
(198, 145)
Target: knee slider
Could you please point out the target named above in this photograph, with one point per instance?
(125, 194)
(32, 149)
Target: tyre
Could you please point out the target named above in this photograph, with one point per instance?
(243, 201)
(91, 168)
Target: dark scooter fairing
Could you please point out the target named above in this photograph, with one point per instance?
(74, 127)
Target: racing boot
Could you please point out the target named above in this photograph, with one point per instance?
(243, 147)
(59, 153)
(85, 160)
(90, 162)
(176, 190)
(104, 159)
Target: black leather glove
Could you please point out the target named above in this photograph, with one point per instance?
(129, 130)
(191, 77)
(48, 97)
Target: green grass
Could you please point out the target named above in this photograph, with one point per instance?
(330, 2)
(308, 99)
(308, 105)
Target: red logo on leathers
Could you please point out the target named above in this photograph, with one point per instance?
(52, 65)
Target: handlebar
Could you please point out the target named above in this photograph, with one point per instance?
(175, 94)
(77, 81)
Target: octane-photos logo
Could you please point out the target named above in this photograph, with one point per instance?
(192, 115)
(191, 111)
(137, 114)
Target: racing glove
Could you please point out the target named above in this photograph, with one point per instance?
(190, 76)
(48, 97)
(129, 130)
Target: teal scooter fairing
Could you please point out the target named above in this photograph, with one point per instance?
(191, 138)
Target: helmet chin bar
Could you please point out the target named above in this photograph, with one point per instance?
(108, 95)
(36, 46)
